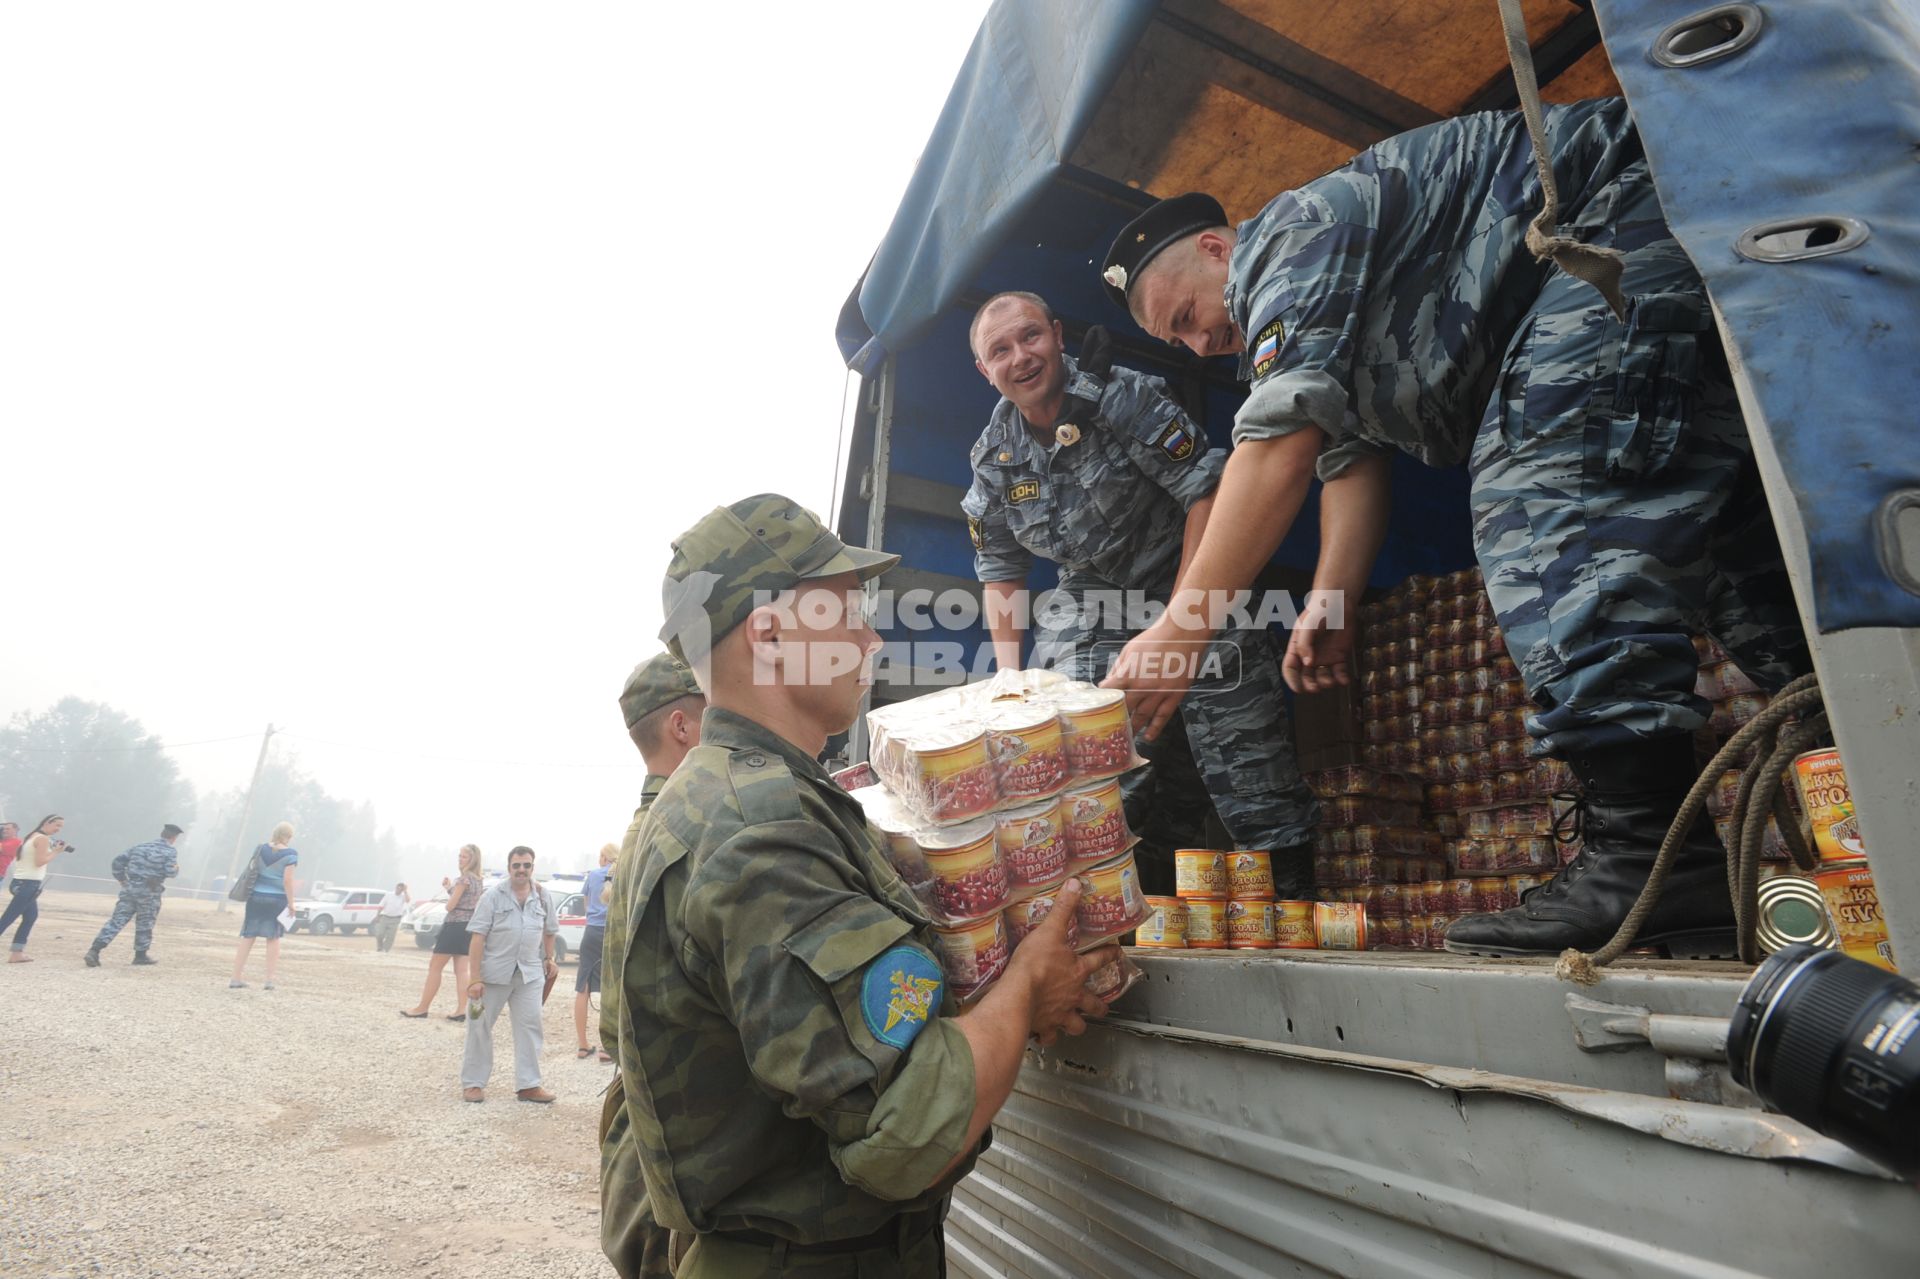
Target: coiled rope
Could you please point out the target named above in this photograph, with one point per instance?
(1769, 743)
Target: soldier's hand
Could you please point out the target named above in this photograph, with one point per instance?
(1319, 655)
(1156, 669)
(1058, 977)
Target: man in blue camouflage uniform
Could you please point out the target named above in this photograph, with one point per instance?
(798, 1079)
(1099, 470)
(143, 871)
(1616, 510)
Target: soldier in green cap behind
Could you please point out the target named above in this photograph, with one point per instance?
(800, 1085)
(661, 705)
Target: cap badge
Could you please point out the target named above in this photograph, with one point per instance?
(1116, 275)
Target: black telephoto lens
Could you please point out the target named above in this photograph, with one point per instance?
(1834, 1043)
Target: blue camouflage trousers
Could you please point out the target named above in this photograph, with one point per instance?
(140, 905)
(1617, 511)
(1231, 744)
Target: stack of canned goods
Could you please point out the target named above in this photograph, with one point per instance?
(1226, 900)
(1843, 877)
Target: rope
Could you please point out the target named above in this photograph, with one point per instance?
(1772, 750)
(1600, 267)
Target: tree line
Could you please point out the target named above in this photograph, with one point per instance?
(116, 784)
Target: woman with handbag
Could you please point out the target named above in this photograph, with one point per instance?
(29, 875)
(269, 885)
(463, 894)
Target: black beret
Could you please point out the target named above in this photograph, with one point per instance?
(1142, 239)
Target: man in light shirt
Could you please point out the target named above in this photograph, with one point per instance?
(511, 959)
(387, 922)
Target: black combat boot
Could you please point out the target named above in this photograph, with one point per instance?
(1633, 794)
(93, 957)
(142, 957)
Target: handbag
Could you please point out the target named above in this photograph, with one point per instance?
(243, 886)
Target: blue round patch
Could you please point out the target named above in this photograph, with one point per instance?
(900, 994)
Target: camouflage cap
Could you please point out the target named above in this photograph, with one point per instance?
(659, 681)
(726, 565)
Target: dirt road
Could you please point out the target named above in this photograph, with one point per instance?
(154, 1122)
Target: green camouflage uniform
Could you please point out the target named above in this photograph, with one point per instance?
(793, 1083)
(639, 1246)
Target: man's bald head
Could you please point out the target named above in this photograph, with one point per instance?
(1001, 302)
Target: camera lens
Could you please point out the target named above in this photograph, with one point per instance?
(1834, 1043)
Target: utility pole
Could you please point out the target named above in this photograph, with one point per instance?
(246, 815)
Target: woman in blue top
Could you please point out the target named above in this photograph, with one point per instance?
(272, 893)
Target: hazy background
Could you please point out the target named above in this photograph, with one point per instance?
(358, 361)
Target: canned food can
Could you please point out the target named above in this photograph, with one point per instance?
(976, 953)
(1029, 753)
(952, 773)
(1199, 872)
(1855, 906)
(1340, 925)
(1165, 927)
(1250, 925)
(1096, 823)
(1490, 895)
(1293, 925)
(1111, 902)
(1024, 916)
(1792, 909)
(969, 878)
(1033, 843)
(1250, 876)
(1828, 802)
(1206, 923)
(1097, 735)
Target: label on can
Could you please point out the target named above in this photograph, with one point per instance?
(1111, 902)
(1250, 876)
(1206, 924)
(1293, 925)
(1340, 925)
(1199, 872)
(1165, 925)
(1855, 906)
(1250, 925)
(1824, 793)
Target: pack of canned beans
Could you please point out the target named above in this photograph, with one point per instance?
(960, 754)
(989, 868)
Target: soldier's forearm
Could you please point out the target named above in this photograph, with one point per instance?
(996, 1030)
(1192, 535)
(1005, 601)
(1259, 496)
(1353, 523)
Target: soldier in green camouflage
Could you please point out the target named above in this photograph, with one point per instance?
(801, 1087)
(661, 705)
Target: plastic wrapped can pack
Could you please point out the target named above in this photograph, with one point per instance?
(1026, 915)
(1095, 821)
(1033, 844)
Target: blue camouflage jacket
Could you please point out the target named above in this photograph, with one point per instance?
(1111, 507)
(1378, 302)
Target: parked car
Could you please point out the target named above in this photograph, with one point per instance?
(422, 921)
(573, 922)
(343, 908)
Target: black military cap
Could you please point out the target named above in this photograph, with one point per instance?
(1142, 239)
(170, 830)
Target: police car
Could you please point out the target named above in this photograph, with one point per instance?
(335, 907)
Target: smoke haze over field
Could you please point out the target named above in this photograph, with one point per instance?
(358, 361)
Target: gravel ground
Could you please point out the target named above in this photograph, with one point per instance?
(154, 1122)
